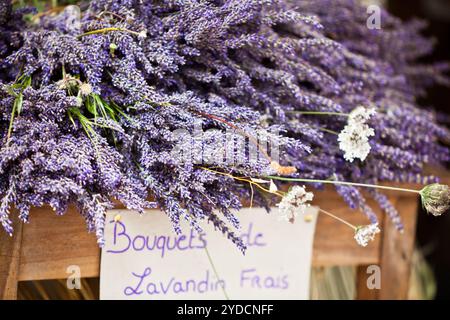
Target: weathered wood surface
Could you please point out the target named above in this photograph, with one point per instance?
(396, 252)
(51, 243)
(10, 260)
(44, 248)
(362, 290)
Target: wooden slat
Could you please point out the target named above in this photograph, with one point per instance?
(10, 260)
(51, 243)
(396, 252)
(334, 243)
(362, 290)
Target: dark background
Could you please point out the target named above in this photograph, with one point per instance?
(433, 235)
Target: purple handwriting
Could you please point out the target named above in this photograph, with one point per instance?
(249, 278)
(123, 241)
(252, 239)
(201, 285)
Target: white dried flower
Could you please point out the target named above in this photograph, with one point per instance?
(354, 141)
(67, 82)
(294, 202)
(273, 187)
(142, 34)
(85, 89)
(61, 85)
(354, 138)
(364, 234)
(436, 198)
(360, 115)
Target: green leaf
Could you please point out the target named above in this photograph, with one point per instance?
(18, 103)
(91, 106)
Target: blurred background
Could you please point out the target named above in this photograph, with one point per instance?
(430, 278)
(433, 236)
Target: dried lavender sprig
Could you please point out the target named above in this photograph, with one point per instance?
(345, 183)
(435, 197)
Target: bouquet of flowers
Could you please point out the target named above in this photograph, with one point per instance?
(191, 106)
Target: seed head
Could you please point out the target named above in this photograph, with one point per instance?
(436, 198)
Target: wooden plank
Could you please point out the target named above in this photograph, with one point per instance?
(334, 243)
(362, 290)
(10, 260)
(51, 243)
(396, 252)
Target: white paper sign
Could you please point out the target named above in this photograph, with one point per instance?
(144, 259)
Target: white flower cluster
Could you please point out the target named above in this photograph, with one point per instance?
(85, 89)
(354, 138)
(361, 115)
(364, 234)
(294, 202)
(142, 34)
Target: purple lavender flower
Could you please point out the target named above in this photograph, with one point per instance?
(98, 117)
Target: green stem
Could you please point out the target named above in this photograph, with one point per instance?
(338, 219)
(329, 131)
(216, 273)
(320, 113)
(345, 183)
(11, 121)
(105, 30)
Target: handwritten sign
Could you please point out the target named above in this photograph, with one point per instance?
(144, 259)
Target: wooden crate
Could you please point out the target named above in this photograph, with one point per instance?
(45, 247)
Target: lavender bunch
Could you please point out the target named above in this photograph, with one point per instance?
(379, 69)
(90, 111)
(295, 65)
(90, 115)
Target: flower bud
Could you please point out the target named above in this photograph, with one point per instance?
(364, 234)
(85, 89)
(436, 198)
